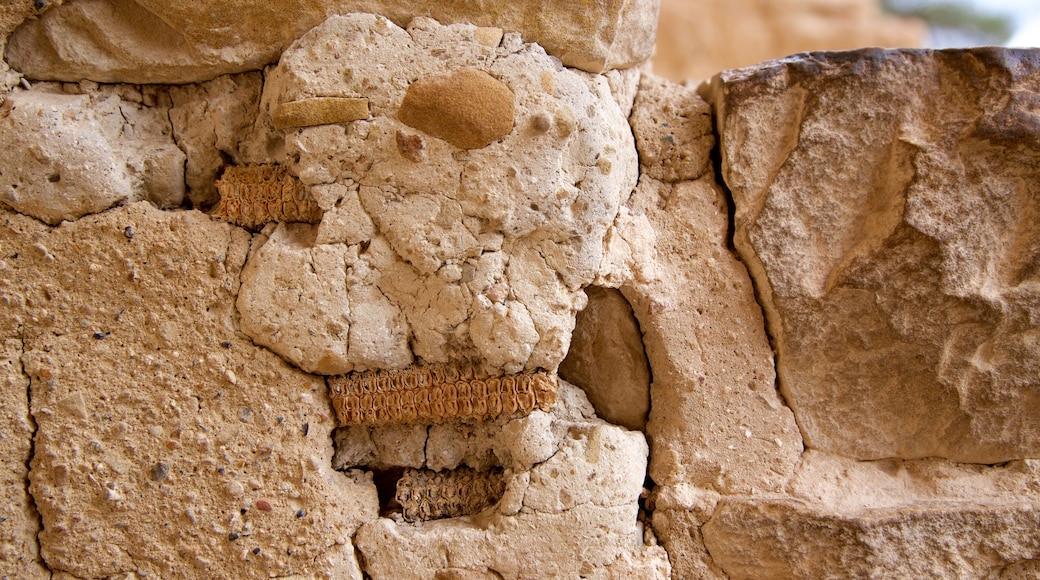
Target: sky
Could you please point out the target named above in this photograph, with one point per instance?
(1025, 18)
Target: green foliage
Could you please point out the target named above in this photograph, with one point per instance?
(954, 15)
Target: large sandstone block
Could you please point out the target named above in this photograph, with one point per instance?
(886, 206)
(716, 419)
(167, 443)
(437, 245)
(788, 539)
(157, 41)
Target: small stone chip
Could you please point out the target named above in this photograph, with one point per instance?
(160, 471)
(488, 36)
(469, 108)
(320, 111)
(263, 505)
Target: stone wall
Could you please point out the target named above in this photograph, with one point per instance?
(339, 290)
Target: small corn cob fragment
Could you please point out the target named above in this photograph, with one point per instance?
(429, 495)
(254, 195)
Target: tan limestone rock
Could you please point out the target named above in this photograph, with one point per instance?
(572, 483)
(884, 206)
(845, 485)
(698, 38)
(167, 443)
(716, 419)
(311, 304)
(158, 41)
(69, 155)
(469, 108)
(673, 131)
(484, 251)
(606, 359)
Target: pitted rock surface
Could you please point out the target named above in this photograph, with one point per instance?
(476, 254)
(884, 206)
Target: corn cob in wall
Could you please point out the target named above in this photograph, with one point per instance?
(430, 495)
(437, 394)
(254, 195)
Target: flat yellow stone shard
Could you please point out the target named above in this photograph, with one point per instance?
(320, 111)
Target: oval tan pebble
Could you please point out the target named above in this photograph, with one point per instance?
(254, 195)
(429, 394)
(468, 108)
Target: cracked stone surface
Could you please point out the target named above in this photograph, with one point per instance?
(155, 364)
(153, 41)
(885, 205)
(716, 420)
(570, 505)
(448, 253)
(19, 522)
(69, 155)
(168, 444)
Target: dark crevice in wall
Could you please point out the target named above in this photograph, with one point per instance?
(386, 486)
(32, 453)
(360, 557)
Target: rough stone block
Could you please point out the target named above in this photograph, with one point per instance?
(167, 443)
(455, 254)
(789, 539)
(885, 205)
(158, 41)
(66, 156)
(716, 419)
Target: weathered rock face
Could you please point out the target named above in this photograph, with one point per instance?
(157, 41)
(72, 155)
(19, 522)
(434, 245)
(890, 518)
(885, 205)
(167, 443)
(217, 121)
(754, 539)
(572, 484)
(698, 38)
(719, 364)
(448, 194)
(717, 424)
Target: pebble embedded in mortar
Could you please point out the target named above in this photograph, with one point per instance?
(469, 108)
